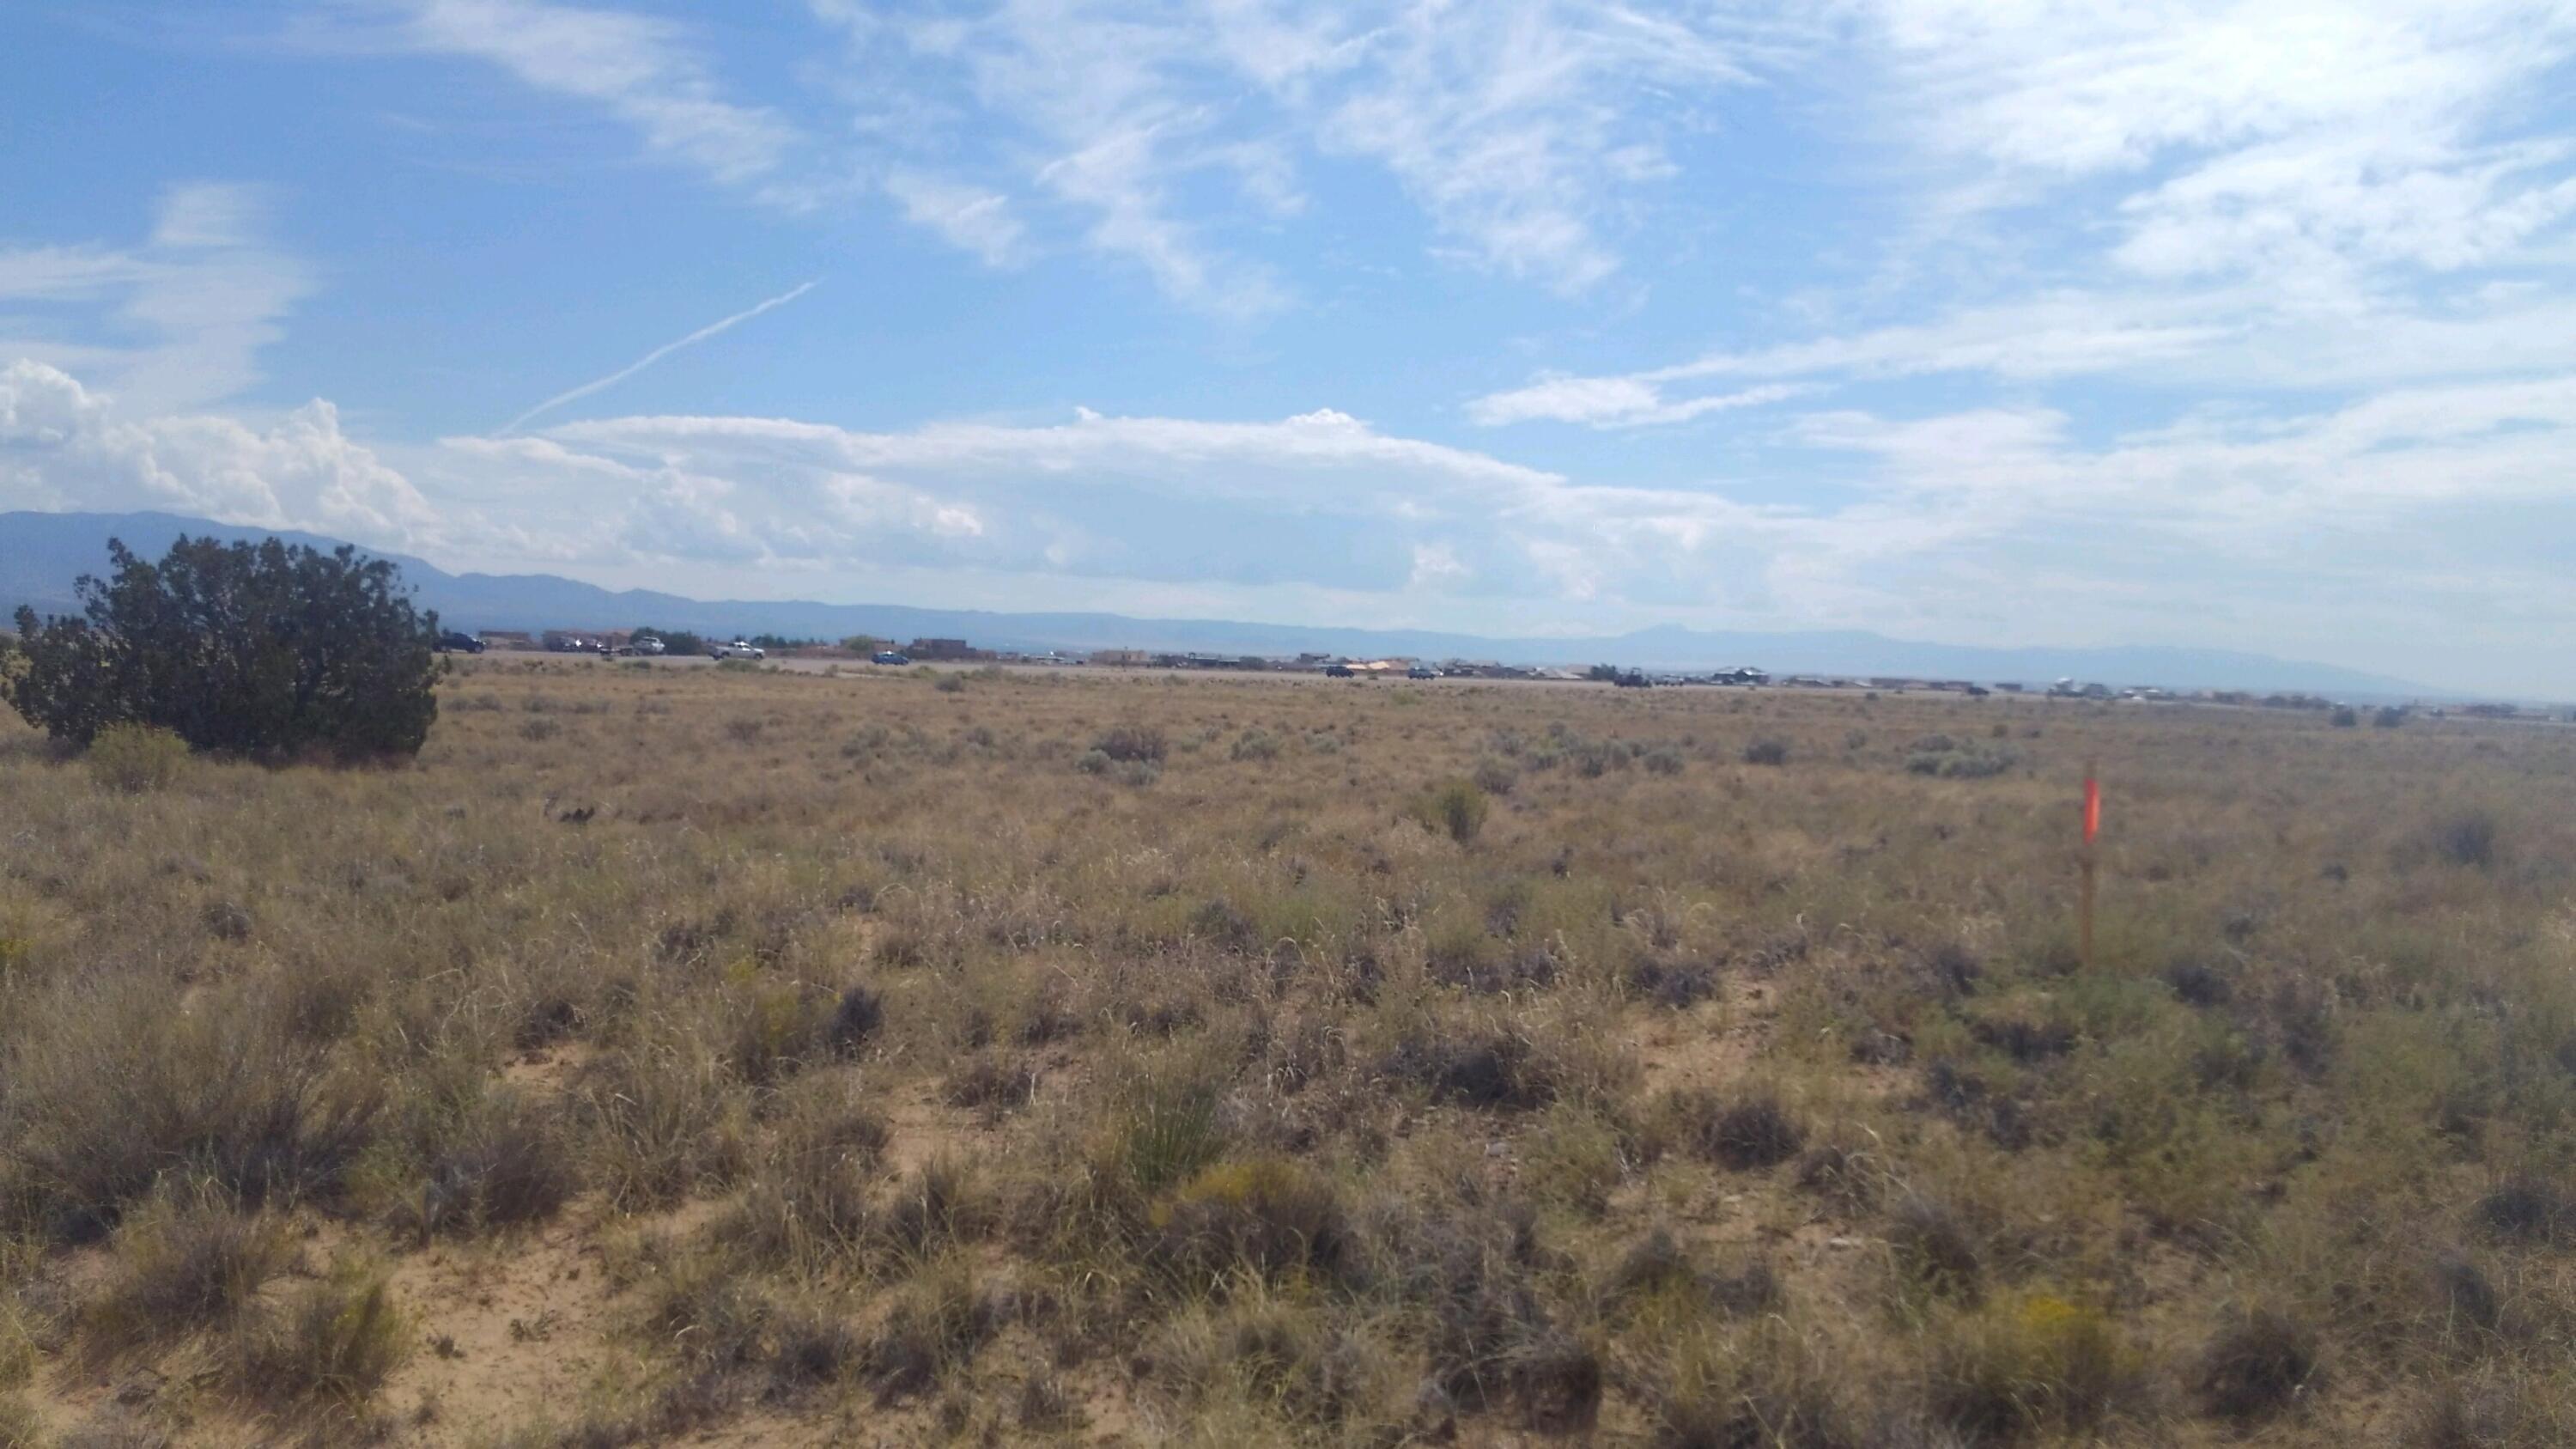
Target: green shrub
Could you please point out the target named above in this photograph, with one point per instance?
(1770, 751)
(134, 758)
(1950, 760)
(2344, 717)
(1127, 743)
(951, 683)
(1456, 807)
(255, 648)
(2468, 838)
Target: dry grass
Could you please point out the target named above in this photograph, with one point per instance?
(1062, 1059)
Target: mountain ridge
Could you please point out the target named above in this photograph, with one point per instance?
(41, 554)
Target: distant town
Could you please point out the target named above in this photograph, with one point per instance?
(869, 650)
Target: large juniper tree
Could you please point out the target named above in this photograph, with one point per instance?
(258, 648)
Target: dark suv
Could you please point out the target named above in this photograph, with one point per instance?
(449, 641)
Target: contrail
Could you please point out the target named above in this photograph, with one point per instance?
(656, 355)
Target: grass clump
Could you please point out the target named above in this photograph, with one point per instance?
(662, 1120)
(135, 758)
(2260, 1362)
(1267, 1216)
(2467, 838)
(938, 1323)
(1456, 808)
(115, 1089)
(339, 1339)
(2034, 1364)
(1742, 1132)
(1132, 743)
(506, 1162)
(190, 1259)
(1949, 759)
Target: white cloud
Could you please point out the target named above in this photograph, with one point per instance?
(1614, 402)
(208, 214)
(191, 308)
(1519, 127)
(62, 447)
(1318, 457)
(967, 217)
(642, 70)
(2285, 130)
(2366, 516)
(1515, 123)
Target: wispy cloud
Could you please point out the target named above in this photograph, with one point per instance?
(969, 217)
(1519, 127)
(643, 70)
(601, 384)
(185, 314)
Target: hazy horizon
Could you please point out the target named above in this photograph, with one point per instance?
(2224, 326)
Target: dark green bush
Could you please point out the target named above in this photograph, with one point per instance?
(252, 648)
(1455, 807)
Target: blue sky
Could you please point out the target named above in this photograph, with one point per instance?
(1987, 321)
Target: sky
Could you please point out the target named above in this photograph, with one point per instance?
(2243, 325)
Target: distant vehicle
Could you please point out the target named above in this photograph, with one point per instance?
(1340, 671)
(1633, 679)
(1978, 691)
(449, 641)
(1422, 671)
(646, 644)
(738, 649)
(889, 656)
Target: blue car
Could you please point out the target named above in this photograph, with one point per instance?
(888, 656)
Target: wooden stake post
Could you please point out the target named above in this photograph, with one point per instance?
(2092, 828)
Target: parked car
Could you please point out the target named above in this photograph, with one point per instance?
(449, 641)
(1340, 671)
(646, 645)
(889, 656)
(738, 649)
(1422, 671)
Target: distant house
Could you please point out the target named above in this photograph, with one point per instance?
(943, 649)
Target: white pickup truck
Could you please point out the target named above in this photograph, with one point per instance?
(736, 650)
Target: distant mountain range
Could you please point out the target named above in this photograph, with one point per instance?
(41, 554)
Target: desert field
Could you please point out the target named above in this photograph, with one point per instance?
(750, 1056)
